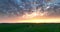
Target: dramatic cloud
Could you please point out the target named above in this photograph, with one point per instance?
(20, 7)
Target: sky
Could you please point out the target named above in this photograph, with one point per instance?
(15, 8)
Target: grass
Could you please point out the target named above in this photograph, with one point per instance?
(25, 27)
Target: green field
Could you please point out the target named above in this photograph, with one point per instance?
(29, 27)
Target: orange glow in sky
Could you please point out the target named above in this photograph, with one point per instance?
(53, 20)
(33, 18)
(38, 18)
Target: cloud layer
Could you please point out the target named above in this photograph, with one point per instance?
(20, 7)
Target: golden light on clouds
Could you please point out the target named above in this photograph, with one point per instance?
(35, 17)
(38, 18)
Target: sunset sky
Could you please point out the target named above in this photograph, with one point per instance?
(18, 11)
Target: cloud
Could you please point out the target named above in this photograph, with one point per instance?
(19, 7)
